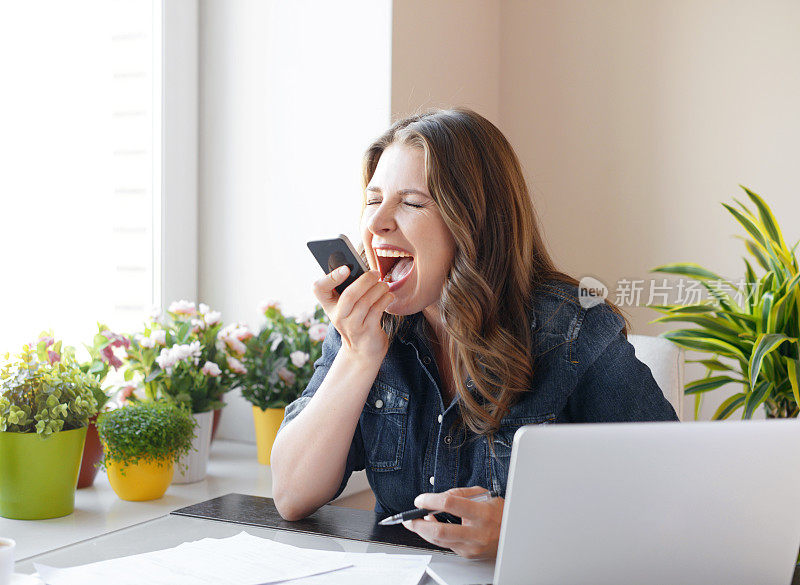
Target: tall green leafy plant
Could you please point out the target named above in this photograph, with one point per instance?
(757, 334)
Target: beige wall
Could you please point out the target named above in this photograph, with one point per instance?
(446, 52)
(633, 119)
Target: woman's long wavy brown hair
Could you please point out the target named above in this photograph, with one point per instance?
(476, 180)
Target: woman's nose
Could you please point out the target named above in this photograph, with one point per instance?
(382, 221)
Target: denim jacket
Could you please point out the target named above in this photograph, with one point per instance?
(408, 440)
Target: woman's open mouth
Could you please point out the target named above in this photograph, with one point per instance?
(394, 266)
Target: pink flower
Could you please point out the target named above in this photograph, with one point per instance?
(269, 304)
(198, 325)
(233, 336)
(116, 340)
(299, 358)
(286, 376)
(124, 393)
(48, 341)
(182, 307)
(107, 355)
(235, 365)
(53, 357)
(318, 331)
(210, 369)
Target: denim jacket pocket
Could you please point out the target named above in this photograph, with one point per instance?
(383, 426)
(499, 456)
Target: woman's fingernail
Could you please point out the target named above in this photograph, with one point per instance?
(342, 270)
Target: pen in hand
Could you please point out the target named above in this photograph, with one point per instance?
(422, 512)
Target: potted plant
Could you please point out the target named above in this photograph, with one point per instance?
(142, 441)
(276, 367)
(177, 359)
(45, 405)
(752, 335)
(102, 360)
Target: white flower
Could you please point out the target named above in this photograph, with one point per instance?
(235, 365)
(182, 307)
(155, 314)
(166, 359)
(203, 309)
(276, 342)
(147, 342)
(213, 317)
(286, 376)
(299, 358)
(159, 336)
(318, 331)
(198, 325)
(210, 369)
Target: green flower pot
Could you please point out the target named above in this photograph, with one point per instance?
(38, 475)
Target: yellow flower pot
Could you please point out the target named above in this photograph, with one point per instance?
(267, 423)
(146, 480)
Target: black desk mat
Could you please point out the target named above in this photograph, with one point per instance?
(328, 520)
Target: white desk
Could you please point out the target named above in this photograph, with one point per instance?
(232, 468)
(170, 531)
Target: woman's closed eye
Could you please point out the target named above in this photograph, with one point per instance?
(408, 203)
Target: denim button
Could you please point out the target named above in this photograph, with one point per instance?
(448, 439)
(439, 418)
(426, 360)
(379, 403)
(431, 480)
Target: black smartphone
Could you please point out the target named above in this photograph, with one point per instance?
(331, 254)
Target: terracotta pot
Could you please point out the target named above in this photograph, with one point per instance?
(92, 453)
(266, 423)
(215, 424)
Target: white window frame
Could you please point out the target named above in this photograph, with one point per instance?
(175, 168)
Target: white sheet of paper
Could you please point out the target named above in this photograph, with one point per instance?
(242, 559)
(372, 568)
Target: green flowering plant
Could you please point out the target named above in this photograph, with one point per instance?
(279, 361)
(149, 431)
(43, 390)
(178, 358)
(103, 360)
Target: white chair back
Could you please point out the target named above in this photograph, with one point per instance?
(665, 360)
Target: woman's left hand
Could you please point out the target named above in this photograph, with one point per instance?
(479, 532)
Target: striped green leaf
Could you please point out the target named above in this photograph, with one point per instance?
(714, 365)
(767, 219)
(757, 253)
(713, 323)
(765, 343)
(712, 383)
(700, 342)
(689, 269)
(793, 369)
(730, 406)
(753, 228)
(756, 398)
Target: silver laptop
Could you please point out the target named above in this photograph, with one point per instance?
(646, 503)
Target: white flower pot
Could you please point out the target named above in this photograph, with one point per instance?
(192, 466)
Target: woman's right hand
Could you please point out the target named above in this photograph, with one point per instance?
(356, 313)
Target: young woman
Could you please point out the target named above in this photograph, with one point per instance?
(462, 332)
